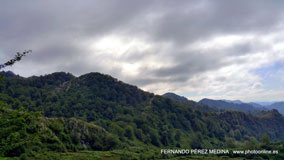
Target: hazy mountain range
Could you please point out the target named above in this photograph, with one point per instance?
(237, 105)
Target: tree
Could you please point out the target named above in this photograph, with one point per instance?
(230, 142)
(17, 57)
(196, 141)
(265, 139)
(129, 132)
(251, 143)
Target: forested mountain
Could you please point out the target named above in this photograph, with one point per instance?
(176, 97)
(233, 101)
(277, 105)
(231, 105)
(184, 101)
(256, 105)
(61, 112)
(23, 132)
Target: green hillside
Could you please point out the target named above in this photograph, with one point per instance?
(95, 112)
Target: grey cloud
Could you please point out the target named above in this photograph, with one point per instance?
(190, 64)
(241, 49)
(151, 80)
(55, 31)
(218, 17)
(245, 47)
(221, 79)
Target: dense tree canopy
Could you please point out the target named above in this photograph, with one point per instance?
(61, 112)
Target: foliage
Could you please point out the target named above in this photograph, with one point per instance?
(24, 132)
(17, 57)
(60, 112)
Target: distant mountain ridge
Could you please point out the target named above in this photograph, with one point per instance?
(271, 105)
(230, 105)
(224, 104)
(264, 103)
(177, 98)
(233, 101)
(277, 105)
(184, 101)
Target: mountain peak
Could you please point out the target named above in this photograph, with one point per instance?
(179, 99)
(8, 74)
(174, 96)
(97, 76)
(233, 101)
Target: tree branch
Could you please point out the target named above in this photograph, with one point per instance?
(17, 57)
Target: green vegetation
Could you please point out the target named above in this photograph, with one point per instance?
(95, 116)
(27, 133)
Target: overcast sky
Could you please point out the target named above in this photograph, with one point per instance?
(221, 49)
